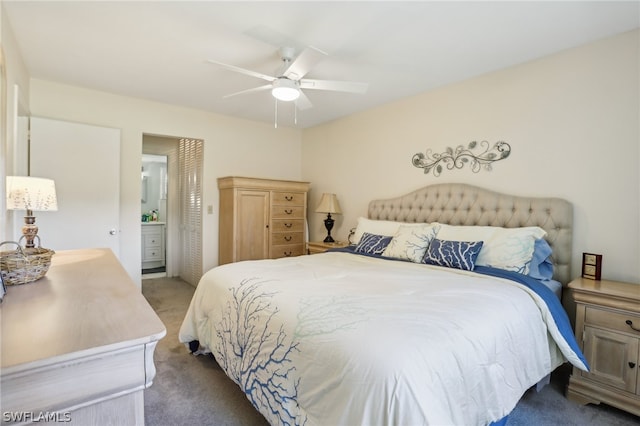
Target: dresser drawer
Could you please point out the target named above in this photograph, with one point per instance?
(284, 212)
(283, 238)
(288, 198)
(287, 225)
(612, 320)
(287, 251)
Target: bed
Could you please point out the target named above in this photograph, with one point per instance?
(431, 317)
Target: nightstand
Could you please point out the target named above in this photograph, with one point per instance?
(315, 247)
(608, 331)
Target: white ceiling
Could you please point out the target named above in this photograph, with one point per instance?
(157, 50)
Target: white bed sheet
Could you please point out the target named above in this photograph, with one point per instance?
(341, 339)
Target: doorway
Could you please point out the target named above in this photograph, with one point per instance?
(180, 214)
(153, 203)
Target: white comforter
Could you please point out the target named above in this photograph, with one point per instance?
(342, 339)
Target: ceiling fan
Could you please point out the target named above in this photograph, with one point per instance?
(288, 82)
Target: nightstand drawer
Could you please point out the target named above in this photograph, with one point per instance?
(612, 320)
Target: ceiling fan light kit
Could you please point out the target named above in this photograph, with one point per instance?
(288, 83)
(285, 90)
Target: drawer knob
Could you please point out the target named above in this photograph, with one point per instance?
(288, 211)
(287, 238)
(630, 324)
(288, 225)
(288, 253)
(288, 197)
(632, 364)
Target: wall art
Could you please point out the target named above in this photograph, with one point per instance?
(478, 155)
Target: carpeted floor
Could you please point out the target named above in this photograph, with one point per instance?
(190, 390)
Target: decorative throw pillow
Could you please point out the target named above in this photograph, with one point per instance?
(504, 248)
(453, 254)
(372, 244)
(411, 242)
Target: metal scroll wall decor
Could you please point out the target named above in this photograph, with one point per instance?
(478, 155)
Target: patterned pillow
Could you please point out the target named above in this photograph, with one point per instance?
(453, 254)
(372, 244)
(411, 242)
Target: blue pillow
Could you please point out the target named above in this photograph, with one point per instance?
(372, 244)
(541, 267)
(453, 254)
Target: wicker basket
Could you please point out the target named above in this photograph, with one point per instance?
(24, 265)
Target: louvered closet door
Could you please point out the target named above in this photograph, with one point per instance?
(190, 155)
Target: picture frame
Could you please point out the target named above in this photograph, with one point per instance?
(591, 266)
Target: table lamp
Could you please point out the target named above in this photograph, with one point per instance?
(329, 204)
(30, 194)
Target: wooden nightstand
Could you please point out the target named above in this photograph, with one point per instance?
(608, 331)
(315, 247)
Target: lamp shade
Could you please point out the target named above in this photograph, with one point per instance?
(329, 204)
(31, 193)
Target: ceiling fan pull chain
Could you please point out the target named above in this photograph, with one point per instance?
(275, 118)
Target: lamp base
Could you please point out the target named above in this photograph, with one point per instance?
(30, 229)
(328, 223)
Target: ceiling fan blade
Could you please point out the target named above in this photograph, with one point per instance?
(302, 64)
(243, 71)
(303, 102)
(255, 89)
(336, 86)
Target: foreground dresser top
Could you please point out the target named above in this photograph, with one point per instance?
(86, 303)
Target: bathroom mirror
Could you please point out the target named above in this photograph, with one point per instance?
(144, 190)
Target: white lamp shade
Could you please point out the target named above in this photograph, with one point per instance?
(329, 204)
(31, 193)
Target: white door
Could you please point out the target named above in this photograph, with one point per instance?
(84, 162)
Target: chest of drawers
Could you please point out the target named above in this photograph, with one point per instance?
(261, 218)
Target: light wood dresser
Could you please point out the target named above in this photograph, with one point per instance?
(261, 218)
(77, 345)
(608, 331)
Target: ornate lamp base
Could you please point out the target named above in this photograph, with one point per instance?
(328, 223)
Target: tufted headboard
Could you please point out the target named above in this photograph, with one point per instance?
(462, 204)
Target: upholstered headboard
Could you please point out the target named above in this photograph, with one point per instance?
(462, 204)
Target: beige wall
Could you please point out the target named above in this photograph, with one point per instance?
(15, 91)
(572, 120)
(232, 147)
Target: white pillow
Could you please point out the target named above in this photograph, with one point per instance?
(504, 248)
(376, 227)
(410, 242)
(388, 228)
